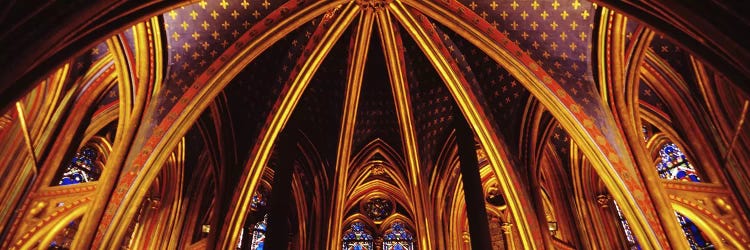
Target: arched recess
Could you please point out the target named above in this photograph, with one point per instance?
(443, 186)
(376, 154)
(311, 176)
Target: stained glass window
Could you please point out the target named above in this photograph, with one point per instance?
(258, 201)
(398, 238)
(356, 238)
(259, 234)
(82, 168)
(674, 164)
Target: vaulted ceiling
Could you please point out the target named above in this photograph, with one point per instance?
(557, 35)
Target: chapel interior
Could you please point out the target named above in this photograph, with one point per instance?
(374, 124)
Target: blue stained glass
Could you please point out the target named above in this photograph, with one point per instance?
(259, 199)
(674, 165)
(356, 238)
(398, 238)
(81, 168)
(259, 234)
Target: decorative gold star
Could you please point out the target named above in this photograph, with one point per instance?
(514, 5)
(535, 5)
(585, 14)
(544, 15)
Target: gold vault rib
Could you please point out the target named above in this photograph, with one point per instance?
(354, 77)
(406, 122)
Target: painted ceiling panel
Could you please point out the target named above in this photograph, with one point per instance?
(320, 108)
(376, 116)
(557, 35)
(506, 97)
(197, 34)
(561, 142)
(252, 93)
(434, 107)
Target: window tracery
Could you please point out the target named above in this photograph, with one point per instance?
(674, 165)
